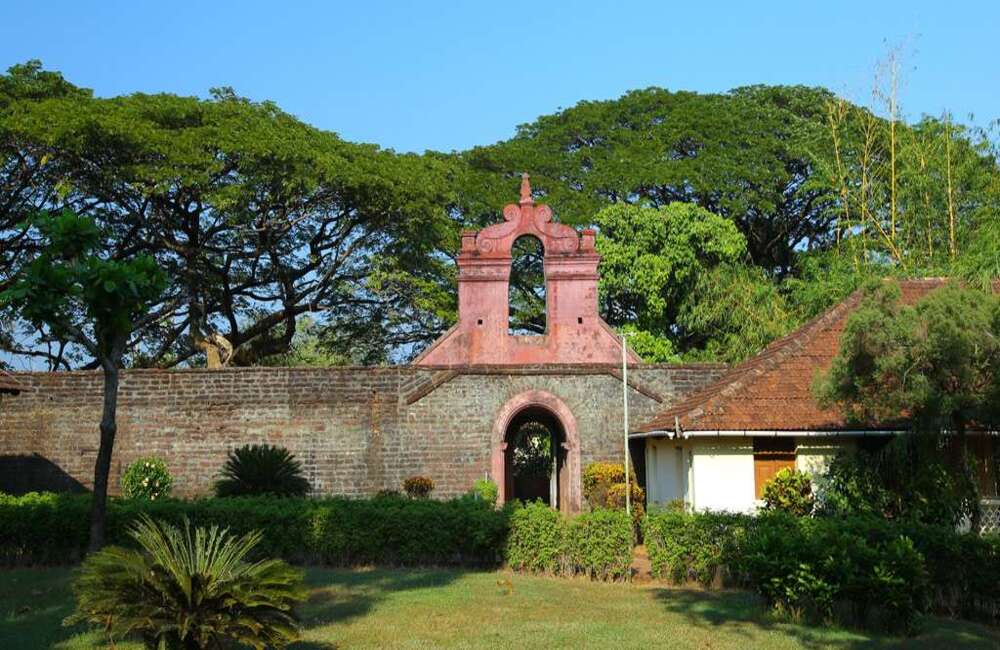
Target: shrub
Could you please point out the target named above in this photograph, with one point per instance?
(597, 481)
(261, 469)
(604, 487)
(686, 547)
(52, 528)
(858, 570)
(616, 500)
(536, 542)
(418, 487)
(789, 491)
(542, 540)
(146, 478)
(883, 483)
(486, 490)
(188, 588)
(601, 544)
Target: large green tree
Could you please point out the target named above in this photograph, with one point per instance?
(257, 218)
(931, 367)
(674, 276)
(748, 156)
(75, 289)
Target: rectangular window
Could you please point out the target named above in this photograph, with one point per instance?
(770, 456)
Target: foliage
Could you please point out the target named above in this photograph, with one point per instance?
(189, 588)
(731, 313)
(687, 547)
(146, 478)
(789, 491)
(934, 361)
(72, 288)
(930, 366)
(257, 218)
(882, 482)
(532, 450)
(542, 540)
(253, 470)
(858, 570)
(652, 259)
(604, 487)
(52, 528)
(486, 490)
(418, 487)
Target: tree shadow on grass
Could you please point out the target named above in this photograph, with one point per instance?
(339, 595)
(742, 613)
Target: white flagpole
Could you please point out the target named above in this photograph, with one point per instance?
(628, 488)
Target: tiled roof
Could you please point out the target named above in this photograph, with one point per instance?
(8, 384)
(773, 390)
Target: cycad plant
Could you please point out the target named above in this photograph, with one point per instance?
(188, 588)
(261, 469)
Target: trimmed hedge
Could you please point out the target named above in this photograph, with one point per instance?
(387, 530)
(859, 570)
(685, 547)
(597, 544)
(53, 528)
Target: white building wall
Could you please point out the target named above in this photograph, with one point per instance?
(718, 473)
(814, 455)
(722, 475)
(666, 471)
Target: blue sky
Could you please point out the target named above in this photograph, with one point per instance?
(450, 75)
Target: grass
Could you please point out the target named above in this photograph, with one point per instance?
(434, 608)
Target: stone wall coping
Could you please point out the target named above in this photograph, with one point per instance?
(561, 368)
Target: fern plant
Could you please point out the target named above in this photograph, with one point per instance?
(261, 469)
(188, 588)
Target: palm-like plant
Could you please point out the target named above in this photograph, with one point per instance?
(189, 589)
(261, 469)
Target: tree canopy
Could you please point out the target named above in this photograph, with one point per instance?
(725, 219)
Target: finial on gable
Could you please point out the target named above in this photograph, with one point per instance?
(525, 189)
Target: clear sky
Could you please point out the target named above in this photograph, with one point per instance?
(450, 75)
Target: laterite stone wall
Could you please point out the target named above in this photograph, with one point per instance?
(356, 430)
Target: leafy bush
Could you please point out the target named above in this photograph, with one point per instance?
(858, 570)
(188, 588)
(418, 487)
(486, 490)
(146, 478)
(604, 487)
(686, 547)
(882, 482)
(253, 470)
(408, 532)
(789, 491)
(597, 544)
(52, 528)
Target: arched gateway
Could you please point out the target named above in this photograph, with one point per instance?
(549, 416)
(535, 444)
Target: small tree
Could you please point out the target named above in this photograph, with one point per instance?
(74, 291)
(933, 366)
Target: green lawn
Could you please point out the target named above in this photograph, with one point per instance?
(431, 608)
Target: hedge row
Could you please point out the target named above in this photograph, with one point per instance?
(597, 544)
(860, 570)
(52, 529)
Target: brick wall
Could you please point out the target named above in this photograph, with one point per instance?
(356, 430)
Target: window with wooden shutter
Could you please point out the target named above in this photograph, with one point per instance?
(770, 456)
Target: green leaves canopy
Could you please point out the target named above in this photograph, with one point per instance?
(936, 362)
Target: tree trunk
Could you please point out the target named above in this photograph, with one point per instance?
(102, 468)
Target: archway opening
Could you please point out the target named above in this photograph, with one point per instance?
(535, 465)
(526, 293)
